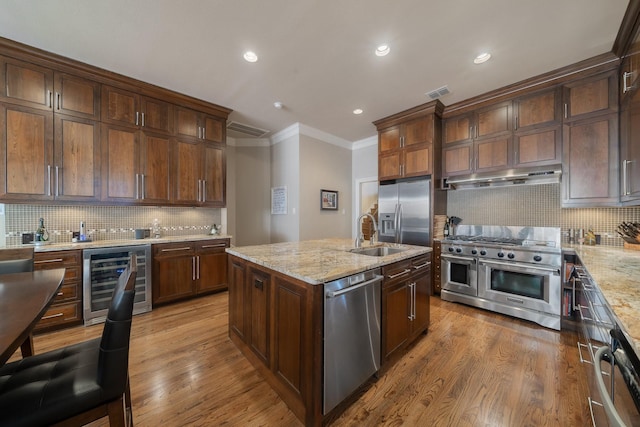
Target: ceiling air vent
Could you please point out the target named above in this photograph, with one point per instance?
(246, 129)
(437, 93)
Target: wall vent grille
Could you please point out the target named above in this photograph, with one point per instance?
(246, 129)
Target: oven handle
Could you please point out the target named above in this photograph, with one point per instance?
(461, 258)
(533, 267)
(609, 408)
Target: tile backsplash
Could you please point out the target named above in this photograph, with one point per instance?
(537, 206)
(105, 222)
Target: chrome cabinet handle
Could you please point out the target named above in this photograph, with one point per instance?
(143, 186)
(58, 101)
(137, 186)
(516, 127)
(393, 276)
(625, 86)
(142, 119)
(137, 118)
(49, 178)
(219, 245)
(566, 110)
(49, 99)
(198, 266)
(204, 190)
(48, 261)
(57, 193)
(418, 267)
(185, 248)
(193, 268)
(53, 316)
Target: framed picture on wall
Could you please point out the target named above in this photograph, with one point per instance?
(329, 200)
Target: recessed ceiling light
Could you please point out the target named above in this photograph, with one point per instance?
(278, 105)
(483, 57)
(250, 56)
(358, 111)
(382, 50)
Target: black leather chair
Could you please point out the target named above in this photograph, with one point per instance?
(18, 260)
(78, 384)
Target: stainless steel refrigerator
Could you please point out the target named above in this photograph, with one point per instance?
(404, 212)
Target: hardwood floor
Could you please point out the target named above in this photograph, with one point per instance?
(473, 368)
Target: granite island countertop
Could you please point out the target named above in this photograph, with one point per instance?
(320, 261)
(616, 271)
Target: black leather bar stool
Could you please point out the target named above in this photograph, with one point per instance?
(78, 384)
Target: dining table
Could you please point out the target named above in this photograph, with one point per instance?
(24, 298)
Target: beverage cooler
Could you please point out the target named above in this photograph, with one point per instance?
(102, 268)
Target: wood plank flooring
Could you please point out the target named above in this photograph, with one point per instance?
(473, 368)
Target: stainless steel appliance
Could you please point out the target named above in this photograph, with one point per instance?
(403, 211)
(102, 267)
(351, 334)
(509, 270)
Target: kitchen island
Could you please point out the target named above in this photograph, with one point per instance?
(276, 309)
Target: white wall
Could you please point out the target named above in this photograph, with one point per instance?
(324, 166)
(285, 171)
(364, 177)
(253, 189)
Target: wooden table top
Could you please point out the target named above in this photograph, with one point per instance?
(24, 298)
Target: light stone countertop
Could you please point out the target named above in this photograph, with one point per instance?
(320, 261)
(616, 271)
(122, 242)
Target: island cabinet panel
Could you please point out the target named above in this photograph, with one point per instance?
(238, 300)
(276, 321)
(66, 309)
(259, 287)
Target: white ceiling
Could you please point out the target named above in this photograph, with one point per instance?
(317, 57)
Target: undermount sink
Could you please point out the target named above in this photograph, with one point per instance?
(377, 251)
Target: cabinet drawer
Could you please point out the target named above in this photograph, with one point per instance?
(60, 314)
(58, 259)
(67, 293)
(212, 246)
(396, 272)
(174, 249)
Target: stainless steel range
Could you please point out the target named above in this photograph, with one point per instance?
(509, 270)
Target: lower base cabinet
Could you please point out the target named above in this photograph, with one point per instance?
(186, 269)
(405, 303)
(66, 309)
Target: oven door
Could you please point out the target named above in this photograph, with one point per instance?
(531, 287)
(459, 274)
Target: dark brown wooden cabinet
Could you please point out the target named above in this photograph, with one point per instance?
(436, 271)
(66, 309)
(590, 97)
(590, 163)
(186, 269)
(199, 169)
(88, 135)
(276, 321)
(406, 142)
(405, 303)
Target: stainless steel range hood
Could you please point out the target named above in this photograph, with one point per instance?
(511, 177)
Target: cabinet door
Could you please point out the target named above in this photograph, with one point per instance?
(237, 297)
(26, 153)
(419, 131)
(155, 155)
(213, 129)
(187, 164)
(538, 147)
(418, 160)
(214, 178)
(389, 165)
(187, 122)
(120, 158)
(588, 97)
(456, 160)
(26, 84)
(538, 110)
(396, 299)
(156, 116)
(630, 149)
(389, 139)
(120, 106)
(77, 159)
(457, 129)
(492, 154)
(422, 283)
(259, 285)
(493, 120)
(590, 163)
(174, 271)
(76, 96)
(212, 266)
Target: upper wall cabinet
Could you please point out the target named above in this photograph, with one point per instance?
(198, 125)
(406, 142)
(591, 97)
(122, 107)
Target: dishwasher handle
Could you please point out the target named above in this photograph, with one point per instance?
(604, 353)
(333, 294)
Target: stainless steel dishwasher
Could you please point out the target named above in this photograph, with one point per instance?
(351, 334)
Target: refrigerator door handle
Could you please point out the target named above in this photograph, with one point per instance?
(399, 223)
